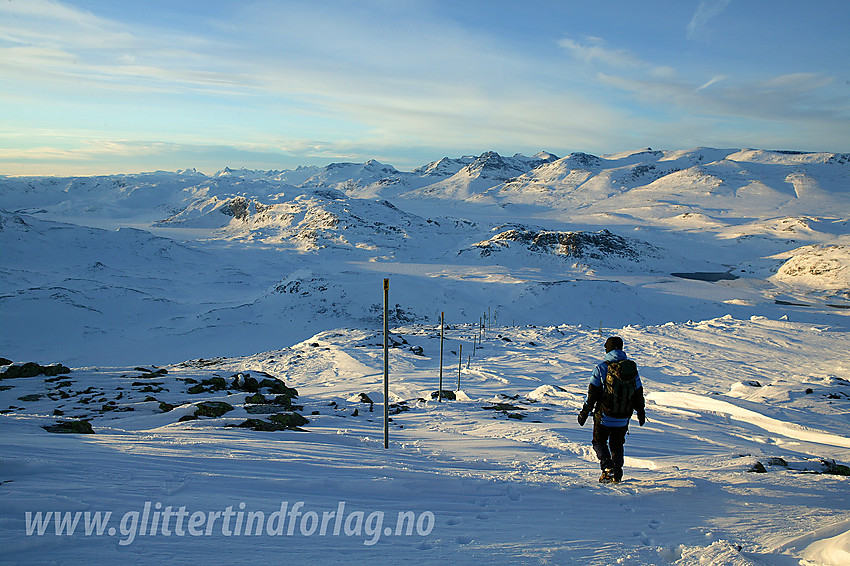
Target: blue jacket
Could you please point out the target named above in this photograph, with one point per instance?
(597, 379)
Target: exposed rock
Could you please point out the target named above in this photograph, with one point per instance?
(212, 408)
(758, 468)
(209, 385)
(396, 408)
(151, 373)
(831, 467)
(32, 369)
(280, 421)
(278, 387)
(269, 409)
(73, 427)
(30, 398)
(244, 382)
(447, 394)
(256, 399)
(289, 420)
(581, 245)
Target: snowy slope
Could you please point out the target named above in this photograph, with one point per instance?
(506, 472)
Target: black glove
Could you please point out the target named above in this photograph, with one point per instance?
(641, 417)
(583, 414)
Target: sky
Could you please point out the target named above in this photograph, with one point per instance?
(112, 86)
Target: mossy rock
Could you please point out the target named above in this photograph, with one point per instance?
(212, 408)
(71, 427)
(831, 467)
(208, 385)
(290, 420)
(165, 407)
(278, 387)
(256, 399)
(244, 382)
(283, 401)
(185, 418)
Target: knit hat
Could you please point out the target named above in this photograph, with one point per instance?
(613, 343)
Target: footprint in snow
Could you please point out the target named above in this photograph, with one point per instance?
(513, 495)
(463, 540)
(483, 516)
(655, 524)
(452, 521)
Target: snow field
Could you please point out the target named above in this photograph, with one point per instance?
(501, 488)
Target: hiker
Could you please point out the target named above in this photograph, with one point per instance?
(614, 393)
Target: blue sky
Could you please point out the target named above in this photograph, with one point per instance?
(108, 86)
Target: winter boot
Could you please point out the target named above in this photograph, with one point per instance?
(618, 475)
(607, 476)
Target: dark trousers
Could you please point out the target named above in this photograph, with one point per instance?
(608, 444)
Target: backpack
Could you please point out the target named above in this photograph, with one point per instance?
(618, 388)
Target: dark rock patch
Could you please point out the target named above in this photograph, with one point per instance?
(32, 369)
(757, 468)
(212, 408)
(70, 427)
(447, 394)
(31, 397)
(276, 422)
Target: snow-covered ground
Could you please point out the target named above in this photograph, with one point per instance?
(158, 290)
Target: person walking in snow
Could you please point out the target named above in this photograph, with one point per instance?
(614, 394)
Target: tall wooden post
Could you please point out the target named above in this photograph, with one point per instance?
(442, 333)
(459, 364)
(386, 365)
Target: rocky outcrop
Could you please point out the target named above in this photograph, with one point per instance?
(31, 369)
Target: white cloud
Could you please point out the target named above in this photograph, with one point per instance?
(712, 81)
(707, 11)
(594, 50)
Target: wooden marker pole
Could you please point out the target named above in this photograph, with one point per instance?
(442, 333)
(459, 364)
(386, 365)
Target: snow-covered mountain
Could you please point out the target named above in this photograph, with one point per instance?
(512, 234)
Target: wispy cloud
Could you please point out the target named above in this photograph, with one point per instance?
(706, 11)
(595, 50)
(794, 97)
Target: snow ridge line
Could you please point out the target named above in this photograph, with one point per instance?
(789, 430)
